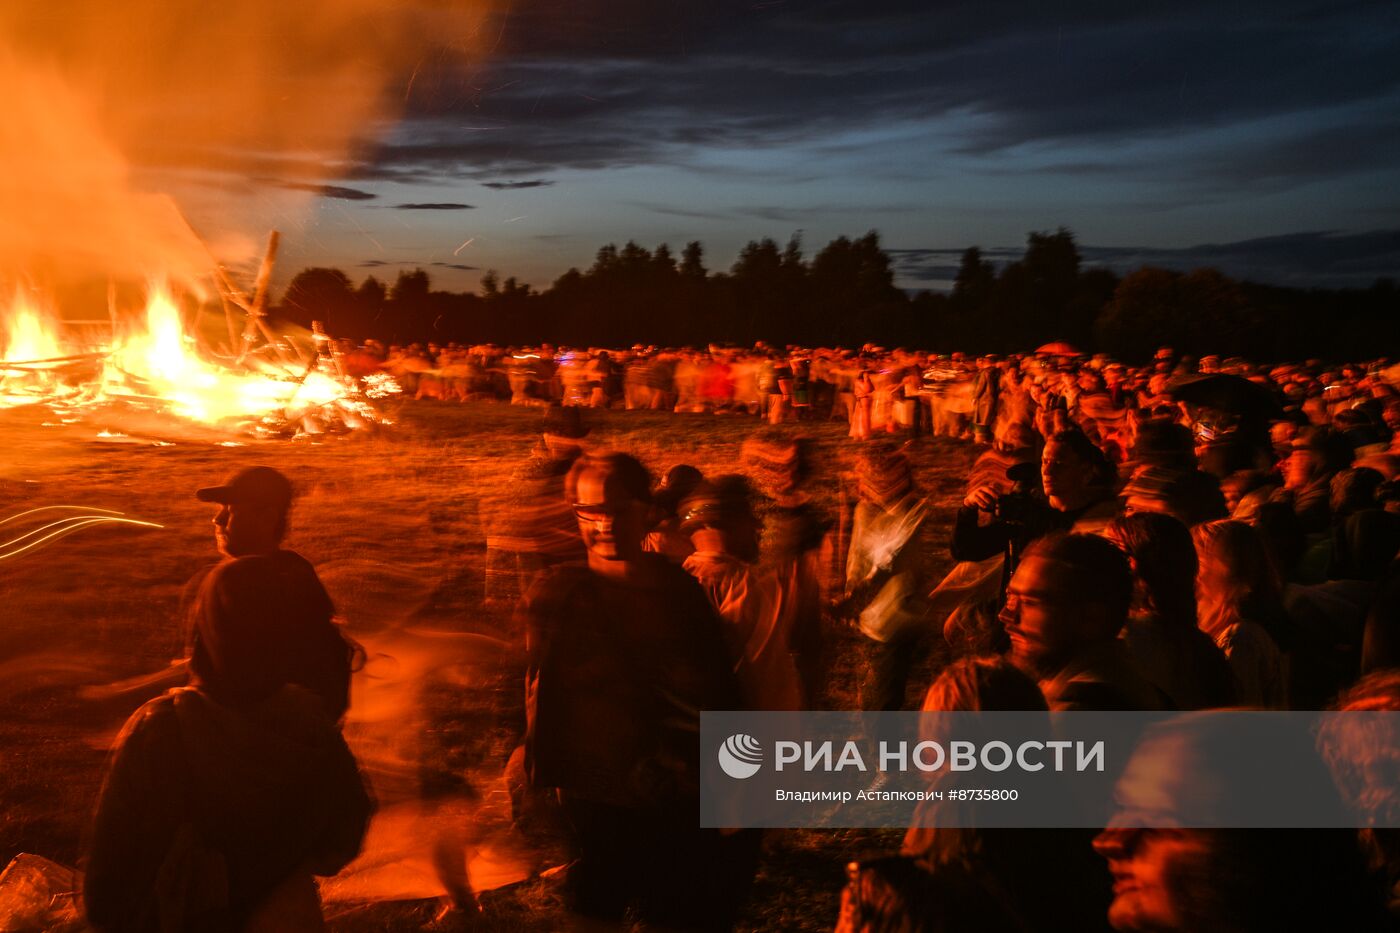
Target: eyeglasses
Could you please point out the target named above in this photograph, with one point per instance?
(598, 512)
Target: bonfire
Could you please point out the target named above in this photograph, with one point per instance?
(258, 382)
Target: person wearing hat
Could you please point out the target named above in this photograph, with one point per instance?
(261, 618)
(223, 799)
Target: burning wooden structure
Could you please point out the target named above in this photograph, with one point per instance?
(260, 382)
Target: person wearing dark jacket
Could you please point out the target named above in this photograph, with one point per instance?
(624, 652)
(212, 819)
(262, 619)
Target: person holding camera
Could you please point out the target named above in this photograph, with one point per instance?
(1074, 489)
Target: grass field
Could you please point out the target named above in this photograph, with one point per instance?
(394, 520)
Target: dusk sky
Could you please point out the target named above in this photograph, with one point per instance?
(1262, 138)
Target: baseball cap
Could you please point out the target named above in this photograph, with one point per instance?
(258, 485)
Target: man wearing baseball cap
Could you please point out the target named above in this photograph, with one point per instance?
(223, 799)
(262, 619)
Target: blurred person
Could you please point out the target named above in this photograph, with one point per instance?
(1363, 753)
(1165, 476)
(1162, 635)
(1245, 491)
(667, 536)
(986, 387)
(893, 894)
(1315, 457)
(863, 392)
(1175, 872)
(1380, 645)
(797, 546)
(623, 653)
(760, 611)
(1030, 870)
(1332, 615)
(885, 576)
(1066, 605)
(1240, 607)
(213, 817)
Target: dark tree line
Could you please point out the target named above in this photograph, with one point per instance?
(844, 295)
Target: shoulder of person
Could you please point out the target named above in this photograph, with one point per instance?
(156, 720)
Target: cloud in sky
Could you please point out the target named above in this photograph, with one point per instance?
(517, 185)
(335, 192)
(1148, 123)
(592, 85)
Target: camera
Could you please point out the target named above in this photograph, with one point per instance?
(1012, 507)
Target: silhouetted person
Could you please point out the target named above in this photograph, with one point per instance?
(1241, 608)
(262, 618)
(1162, 636)
(624, 652)
(224, 798)
(1032, 871)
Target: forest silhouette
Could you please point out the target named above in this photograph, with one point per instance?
(844, 295)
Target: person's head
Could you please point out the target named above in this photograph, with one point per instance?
(681, 480)
(1363, 752)
(1162, 442)
(777, 462)
(1354, 489)
(1070, 594)
(1240, 484)
(611, 496)
(1316, 454)
(563, 432)
(718, 515)
(253, 506)
(1191, 497)
(1164, 564)
(1236, 571)
(1175, 871)
(1074, 472)
(1364, 545)
(885, 473)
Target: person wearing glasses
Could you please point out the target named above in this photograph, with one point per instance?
(623, 652)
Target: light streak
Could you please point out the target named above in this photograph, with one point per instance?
(77, 523)
(45, 508)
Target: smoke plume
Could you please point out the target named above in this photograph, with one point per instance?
(139, 137)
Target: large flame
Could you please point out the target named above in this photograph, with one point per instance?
(158, 364)
(28, 339)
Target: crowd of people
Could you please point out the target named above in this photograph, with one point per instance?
(1185, 535)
